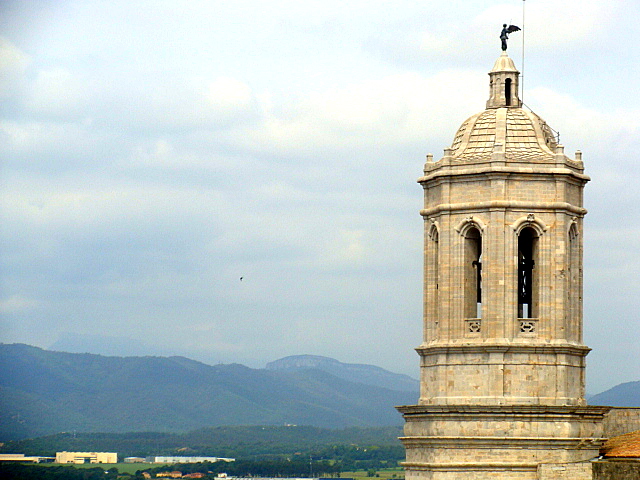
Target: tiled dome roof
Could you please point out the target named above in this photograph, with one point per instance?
(524, 135)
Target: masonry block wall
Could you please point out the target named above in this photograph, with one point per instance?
(567, 471)
(616, 470)
(620, 421)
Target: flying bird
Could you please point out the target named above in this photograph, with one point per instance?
(241, 278)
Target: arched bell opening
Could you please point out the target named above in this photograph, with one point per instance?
(507, 92)
(473, 273)
(432, 284)
(527, 278)
(574, 286)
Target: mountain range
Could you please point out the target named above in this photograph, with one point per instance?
(352, 372)
(44, 392)
(623, 395)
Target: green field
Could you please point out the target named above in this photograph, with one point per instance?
(122, 467)
(132, 468)
(383, 473)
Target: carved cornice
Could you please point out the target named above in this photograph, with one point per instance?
(466, 467)
(505, 411)
(436, 171)
(504, 205)
(581, 350)
(500, 442)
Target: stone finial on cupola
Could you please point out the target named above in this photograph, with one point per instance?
(503, 84)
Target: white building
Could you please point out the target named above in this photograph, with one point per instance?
(86, 457)
(20, 457)
(187, 459)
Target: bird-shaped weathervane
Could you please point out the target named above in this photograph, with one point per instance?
(504, 36)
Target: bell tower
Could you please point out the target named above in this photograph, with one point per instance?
(502, 358)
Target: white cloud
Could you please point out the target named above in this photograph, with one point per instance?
(17, 304)
(151, 159)
(549, 23)
(13, 64)
(603, 133)
(12, 59)
(56, 92)
(391, 111)
(229, 94)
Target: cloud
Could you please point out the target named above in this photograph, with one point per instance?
(393, 110)
(152, 158)
(17, 303)
(55, 92)
(13, 64)
(229, 94)
(551, 24)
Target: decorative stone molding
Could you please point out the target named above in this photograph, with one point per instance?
(474, 326)
(573, 228)
(528, 326)
(469, 222)
(504, 204)
(529, 221)
(560, 349)
(434, 230)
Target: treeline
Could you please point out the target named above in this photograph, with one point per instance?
(18, 471)
(347, 458)
(281, 467)
(248, 442)
(298, 467)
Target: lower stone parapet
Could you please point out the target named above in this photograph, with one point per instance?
(616, 470)
(599, 470)
(621, 420)
(448, 442)
(565, 471)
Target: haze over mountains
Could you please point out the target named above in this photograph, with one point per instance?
(623, 395)
(352, 372)
(44, 392)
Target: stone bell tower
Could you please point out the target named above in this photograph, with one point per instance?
(502, 359)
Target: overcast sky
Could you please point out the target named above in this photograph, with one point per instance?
(154, 152)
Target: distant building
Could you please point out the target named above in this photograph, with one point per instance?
(134, 460)
(187, 459)
(20, 457)
(86, 457)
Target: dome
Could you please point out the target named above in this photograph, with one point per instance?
(520, 133)
(504, 127)
(504, 64)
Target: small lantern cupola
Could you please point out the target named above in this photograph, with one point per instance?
(504, 84)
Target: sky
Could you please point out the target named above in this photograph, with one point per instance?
(153, 153)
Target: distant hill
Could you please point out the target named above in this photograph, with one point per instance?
(230, 441)
(44, 392)
(352, 372)
(623, 395)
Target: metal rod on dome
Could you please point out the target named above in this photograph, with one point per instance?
(524, 30)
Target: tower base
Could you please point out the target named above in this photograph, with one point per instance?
(453, 442)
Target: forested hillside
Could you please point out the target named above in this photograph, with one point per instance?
(623, 395)
(255, 442)
(45, 392)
